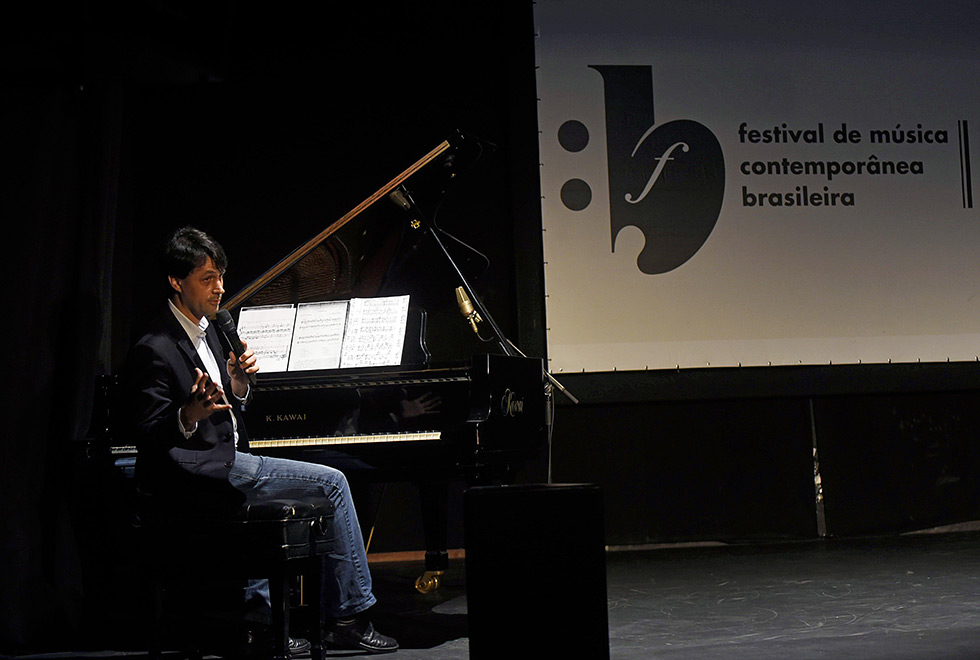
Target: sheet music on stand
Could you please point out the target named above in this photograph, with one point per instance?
(375, 334)
(361, 332)
(318, 335)
(268, 331)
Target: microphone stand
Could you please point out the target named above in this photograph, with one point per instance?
(506, 345)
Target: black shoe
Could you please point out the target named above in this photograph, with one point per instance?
(298, 646)
(259, 644)
(357, 633)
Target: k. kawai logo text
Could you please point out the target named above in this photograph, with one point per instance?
(668, 180)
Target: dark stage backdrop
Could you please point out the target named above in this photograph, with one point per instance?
(60, 146)
(122, 121)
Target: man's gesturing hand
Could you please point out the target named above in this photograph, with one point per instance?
(205, 399)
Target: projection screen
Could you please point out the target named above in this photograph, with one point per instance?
(758, 183)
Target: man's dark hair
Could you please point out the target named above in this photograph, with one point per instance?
(190, 248)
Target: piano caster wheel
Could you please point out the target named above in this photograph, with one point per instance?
(429, 582)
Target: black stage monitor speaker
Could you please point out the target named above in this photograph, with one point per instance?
(536, 572)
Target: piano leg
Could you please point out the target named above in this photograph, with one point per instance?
(435, 520)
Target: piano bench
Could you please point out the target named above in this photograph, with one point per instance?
(278, 538)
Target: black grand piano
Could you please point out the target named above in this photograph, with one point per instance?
(422, 421)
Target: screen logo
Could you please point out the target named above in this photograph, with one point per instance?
(667, 180)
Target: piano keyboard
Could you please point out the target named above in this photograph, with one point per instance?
(424, 436)
(346, 440)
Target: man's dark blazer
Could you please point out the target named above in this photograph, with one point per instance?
(158, 377)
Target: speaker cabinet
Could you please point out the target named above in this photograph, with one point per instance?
(536, 571)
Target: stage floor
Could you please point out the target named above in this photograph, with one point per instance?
(914, 597)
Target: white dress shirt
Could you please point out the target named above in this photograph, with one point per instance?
(196, 333)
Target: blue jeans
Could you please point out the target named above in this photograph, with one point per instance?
(346, 578)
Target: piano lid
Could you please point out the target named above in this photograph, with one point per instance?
(358, 254)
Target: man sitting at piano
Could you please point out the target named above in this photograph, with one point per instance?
(187, 396)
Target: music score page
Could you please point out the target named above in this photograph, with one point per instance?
(361, 332)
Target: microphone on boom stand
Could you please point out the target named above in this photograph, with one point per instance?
(466, 308)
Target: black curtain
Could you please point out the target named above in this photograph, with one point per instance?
(60, 146)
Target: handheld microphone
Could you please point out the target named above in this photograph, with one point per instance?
(227, 325)
(466, 308)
